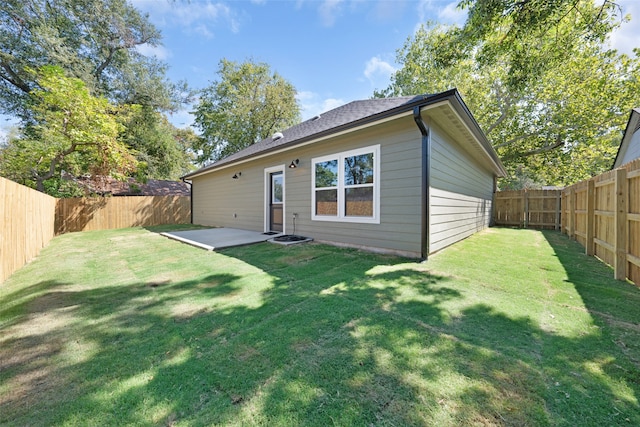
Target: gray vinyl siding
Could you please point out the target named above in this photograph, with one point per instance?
(633, 152)
(217, 197)
(461, 193)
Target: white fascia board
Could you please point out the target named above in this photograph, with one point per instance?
(497, 169)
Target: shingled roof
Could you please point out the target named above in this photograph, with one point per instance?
(348, 116)
(108, 186)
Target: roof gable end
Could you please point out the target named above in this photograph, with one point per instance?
(633, 125)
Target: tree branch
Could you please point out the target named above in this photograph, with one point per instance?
(504, 108)
(98, 72)
(40, 179)
(559, 143)
(113, 49)
(513, 140)
(14, 78)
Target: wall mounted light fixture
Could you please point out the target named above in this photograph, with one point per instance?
(294, 164)
(237, 175)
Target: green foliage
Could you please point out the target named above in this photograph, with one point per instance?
(245, 105)
(63, 187)
(519, 179)
(529, 37)
(162, 150)
(93, 40)
(72, 131)
(561, 127)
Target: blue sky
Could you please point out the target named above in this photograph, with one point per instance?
(332, 51)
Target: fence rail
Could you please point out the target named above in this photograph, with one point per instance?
(26, 225)
(603, 215)
(528, 208)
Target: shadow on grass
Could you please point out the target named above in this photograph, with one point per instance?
(337, 337)
(614, 307)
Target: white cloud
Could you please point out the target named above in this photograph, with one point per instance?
(188, 13)
(451, 14)
(627, 37)
(196, 17)
(376, 67)
(305, 95)
(159, 51)
(378, 72)
(432, 10)
(328, 10)
(331, 103)
(312, 104)
(203, 31)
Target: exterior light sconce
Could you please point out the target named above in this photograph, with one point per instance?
(237, 175)
(294, 164)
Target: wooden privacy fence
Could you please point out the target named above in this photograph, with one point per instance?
(30, 219)
(603, 215)
(528, 208)
(103, 213)
(26, 225)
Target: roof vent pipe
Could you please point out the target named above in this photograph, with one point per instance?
(316, 117)
(276, 136)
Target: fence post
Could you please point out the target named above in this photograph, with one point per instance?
(563, 211)
(494, 198)
(591, 202)
(571, 219)
(525, 205)
(558, 224)
(621, 188)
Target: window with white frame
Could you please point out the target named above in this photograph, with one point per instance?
(346, 186)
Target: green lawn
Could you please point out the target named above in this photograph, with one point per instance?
(509, 327)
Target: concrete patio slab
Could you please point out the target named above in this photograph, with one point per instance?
(218, 238)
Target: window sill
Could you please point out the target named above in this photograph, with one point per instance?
(358, 220)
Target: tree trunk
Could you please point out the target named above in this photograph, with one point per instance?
(40, 184)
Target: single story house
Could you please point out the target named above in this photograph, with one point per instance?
(407, 175)
(630, 146)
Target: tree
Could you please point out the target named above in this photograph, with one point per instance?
(247, 104)
(528, 35)
(93, 40)
(162, 151)
(71, 131)
(563, 126)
